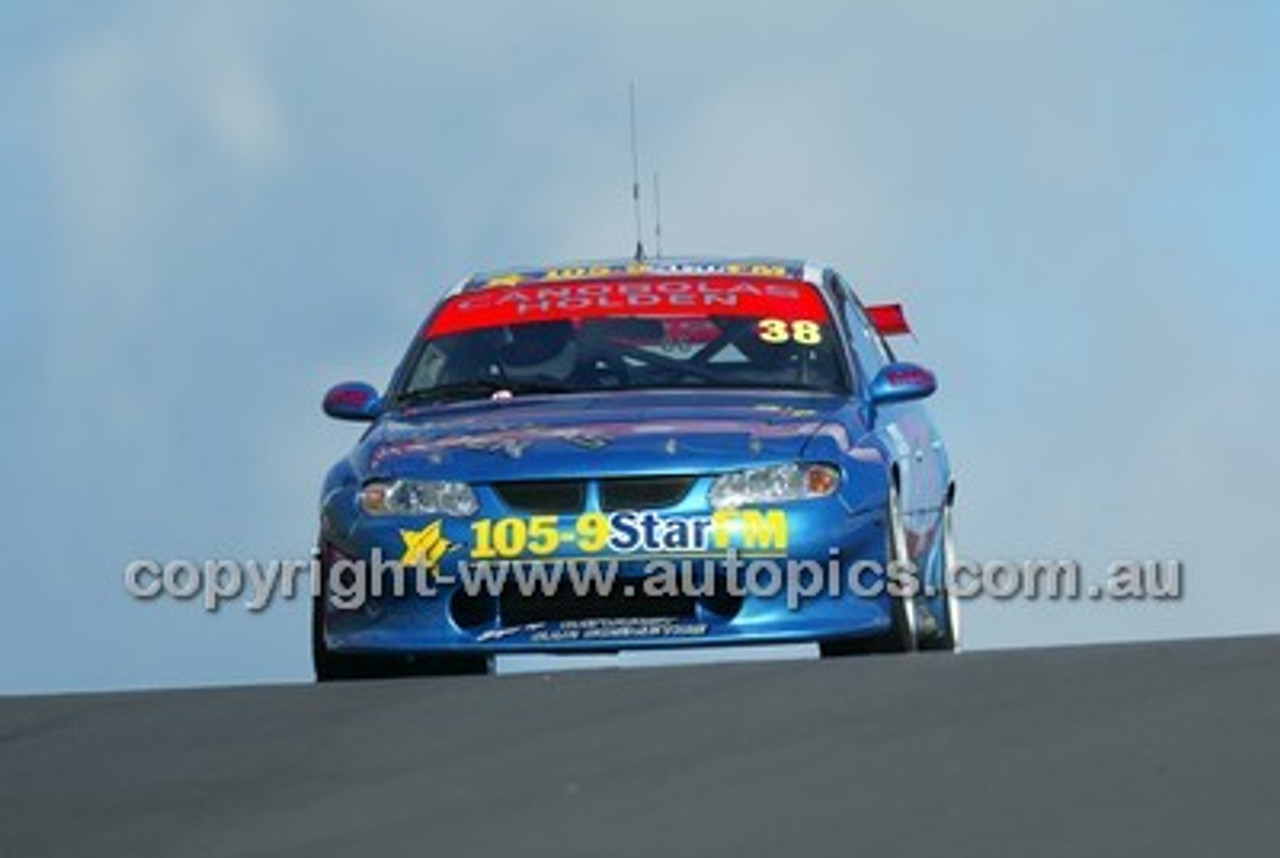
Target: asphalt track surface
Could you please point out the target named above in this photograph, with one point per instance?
(1153, 749)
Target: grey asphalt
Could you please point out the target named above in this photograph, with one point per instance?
(1164, 749)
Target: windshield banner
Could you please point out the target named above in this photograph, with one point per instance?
(641, 297)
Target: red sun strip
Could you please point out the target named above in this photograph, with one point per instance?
(664, 297)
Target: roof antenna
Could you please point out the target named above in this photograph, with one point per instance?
(635, 176)
(657, 216)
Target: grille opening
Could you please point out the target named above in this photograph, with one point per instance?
(471, 612)
(543, 496)
(722, 603)
(516, 609)
(643, 492)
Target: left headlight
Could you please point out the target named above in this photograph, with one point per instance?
(773, 484)
(418, 497)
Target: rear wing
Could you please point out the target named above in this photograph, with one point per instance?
(889, 320)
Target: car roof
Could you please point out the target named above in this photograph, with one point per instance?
(758, 266)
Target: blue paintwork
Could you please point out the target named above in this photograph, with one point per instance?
(879, 431)
(901, 382)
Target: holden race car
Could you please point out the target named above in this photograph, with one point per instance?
(637, 454)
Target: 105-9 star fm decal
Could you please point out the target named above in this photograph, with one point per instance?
(630, 533)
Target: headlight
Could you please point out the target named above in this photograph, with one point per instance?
(773, 484)
(418, 497)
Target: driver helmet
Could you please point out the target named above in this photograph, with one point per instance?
(539, 351)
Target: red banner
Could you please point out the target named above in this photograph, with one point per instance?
(639, 297)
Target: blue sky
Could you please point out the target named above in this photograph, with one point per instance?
(213, 210)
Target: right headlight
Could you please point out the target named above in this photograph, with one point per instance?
(773, 484)
(418, 497)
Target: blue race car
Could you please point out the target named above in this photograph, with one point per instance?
(619, 455)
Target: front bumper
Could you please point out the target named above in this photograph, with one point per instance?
(503, 584)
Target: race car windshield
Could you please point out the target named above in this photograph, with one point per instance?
(708, 333)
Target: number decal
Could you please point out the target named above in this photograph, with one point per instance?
(806, 333)
(774, 331)
(778, 331)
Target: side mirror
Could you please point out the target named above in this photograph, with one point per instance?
(901, 382)
(353, 400)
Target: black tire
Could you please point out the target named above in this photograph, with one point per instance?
(330, 666)
(946, 635)
(901, 636)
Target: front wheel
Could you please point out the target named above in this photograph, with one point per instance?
(330, 666)
(902, 635)
(944, 634)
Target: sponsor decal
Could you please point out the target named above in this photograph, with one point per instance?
(613, 629)
(793, 309)
(560, 274)
(502, 280)
(633, 533)
(914, 375)
(424, 548)
(598, 629)
(509, 632)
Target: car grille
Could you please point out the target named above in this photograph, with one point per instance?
(544, 496)
(643, 492)
(550, 497)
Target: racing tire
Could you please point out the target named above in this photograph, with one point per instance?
(902, 635)
(332, 666)
(946, 635)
